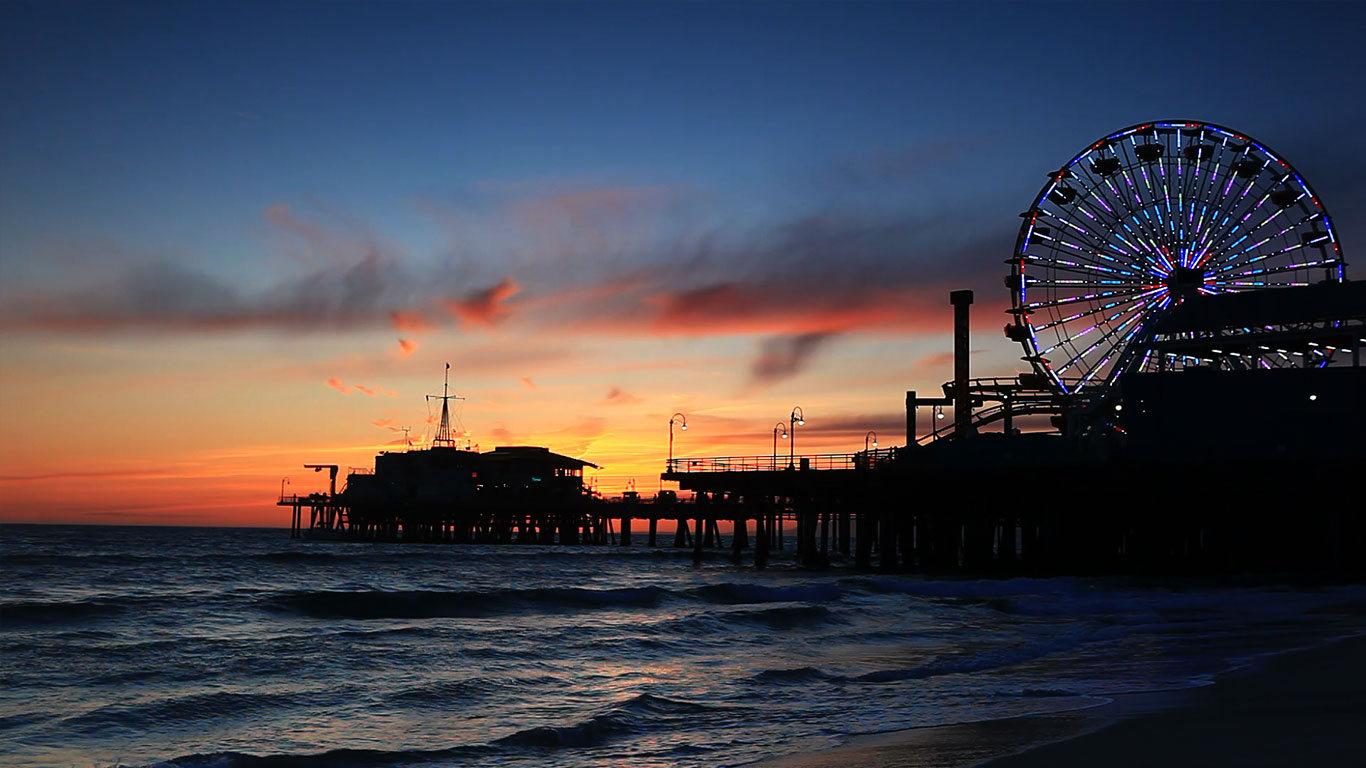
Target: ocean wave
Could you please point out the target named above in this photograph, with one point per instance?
(27, 613)
(189, 708)
(297, 556)
(727, 593)
(783, 616)
(443, 693)
(43, 558)
(336, 758)
(791, 676)
(979, 661)
(641, 712)
(432, 604)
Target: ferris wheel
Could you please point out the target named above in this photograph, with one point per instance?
(1144, 219)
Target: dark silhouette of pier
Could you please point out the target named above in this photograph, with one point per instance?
(1206, 400)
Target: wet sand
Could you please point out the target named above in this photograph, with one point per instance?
(1304, 708)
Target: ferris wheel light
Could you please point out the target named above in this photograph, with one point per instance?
(1312, 398)
(1119, 407)
(1120, 220)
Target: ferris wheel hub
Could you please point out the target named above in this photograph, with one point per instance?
(1185, 282)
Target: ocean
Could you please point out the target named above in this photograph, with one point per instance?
(240, 647)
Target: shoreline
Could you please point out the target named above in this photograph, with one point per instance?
(1299, 707)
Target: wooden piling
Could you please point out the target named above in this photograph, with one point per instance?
(697, 539)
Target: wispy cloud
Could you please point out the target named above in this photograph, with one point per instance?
(619, 396)
(782, 357)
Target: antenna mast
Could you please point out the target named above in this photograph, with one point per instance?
(443, 431)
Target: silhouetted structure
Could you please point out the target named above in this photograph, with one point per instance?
(1181, 297)
(1180, 293)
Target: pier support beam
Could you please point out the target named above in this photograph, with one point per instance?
(697, 539)
(761, 536)
(863, 533)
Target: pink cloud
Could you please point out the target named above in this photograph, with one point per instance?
(408, 320)
(486, 306)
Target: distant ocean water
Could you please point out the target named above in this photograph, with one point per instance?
(228, 647)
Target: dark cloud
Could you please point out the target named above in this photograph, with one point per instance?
(783, 357)
(619, 396)
(816, 274)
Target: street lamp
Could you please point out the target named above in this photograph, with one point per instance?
(870, 436)
(283, 482)
(779, 427)
(683, 425)
(794, 420)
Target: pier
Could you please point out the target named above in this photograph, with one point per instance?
(1202, 390)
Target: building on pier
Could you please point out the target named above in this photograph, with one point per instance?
(429, 483)
(449, 492)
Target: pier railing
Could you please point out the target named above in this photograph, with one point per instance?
(771, 463)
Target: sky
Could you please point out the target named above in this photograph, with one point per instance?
(239, 237)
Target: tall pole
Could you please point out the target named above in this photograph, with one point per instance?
(962, 403)
(779, 427)
(794, 420)
(443, 430)
(677, 417)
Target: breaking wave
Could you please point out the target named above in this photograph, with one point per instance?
(431, 604)
(39, 612)
(642, 712)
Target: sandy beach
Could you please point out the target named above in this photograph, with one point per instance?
(1303, 708)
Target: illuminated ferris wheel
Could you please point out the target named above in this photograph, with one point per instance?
(1144, 219)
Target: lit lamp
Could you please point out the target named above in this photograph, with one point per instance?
(794, 420)
(777, 428)
(682, 421)
(866, 438)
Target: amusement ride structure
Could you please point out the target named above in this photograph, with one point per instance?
(1120, 240)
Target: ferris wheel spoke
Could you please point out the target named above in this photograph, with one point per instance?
(1072, 338)
(1090, 297)
(1239, 224)
(1081, 267)
(1292, 267)
(1106, 336)
(1087, 313)
(1260, 250)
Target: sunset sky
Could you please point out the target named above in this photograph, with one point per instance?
(235, 238)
